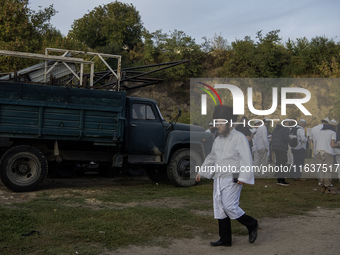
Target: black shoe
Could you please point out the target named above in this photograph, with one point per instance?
(220, 243)
(283, 183)
(253, 234)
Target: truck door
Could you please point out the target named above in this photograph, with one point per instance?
(146, 130)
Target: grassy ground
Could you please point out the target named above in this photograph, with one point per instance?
(95, 218)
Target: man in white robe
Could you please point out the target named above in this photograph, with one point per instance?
(229, 164)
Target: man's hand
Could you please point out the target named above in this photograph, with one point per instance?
(241, 183)
(198, 178)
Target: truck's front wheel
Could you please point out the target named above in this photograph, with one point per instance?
(181, 169)
(23, 168)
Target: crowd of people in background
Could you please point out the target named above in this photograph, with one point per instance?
(288, 144)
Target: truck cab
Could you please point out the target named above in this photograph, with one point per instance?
(168, 150)
(146, 131)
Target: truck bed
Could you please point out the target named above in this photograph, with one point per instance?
(61, 113)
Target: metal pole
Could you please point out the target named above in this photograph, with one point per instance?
(92, 74)
(81, 74)
(119, 73)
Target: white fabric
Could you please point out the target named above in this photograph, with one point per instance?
(337, 152)
(260, 140)
(302, 139)
(232, 152)
(313, 134)
(260, 158)
(323, 141)
(226, 198)
(290, 157)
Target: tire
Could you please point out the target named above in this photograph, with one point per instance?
(23, 168)
(158, 174)
(181, 169)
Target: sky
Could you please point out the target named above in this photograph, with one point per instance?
(231, 19)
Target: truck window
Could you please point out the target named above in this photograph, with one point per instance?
(142, 112)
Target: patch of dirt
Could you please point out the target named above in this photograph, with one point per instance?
(65, 187)
(8, 197)
(96, 204)
(71, 187)
(314, 233)
(170, 202)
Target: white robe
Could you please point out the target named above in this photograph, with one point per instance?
(232, 153)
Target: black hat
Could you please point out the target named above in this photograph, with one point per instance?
(224, 112)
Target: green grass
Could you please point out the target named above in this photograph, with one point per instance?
(90, 220)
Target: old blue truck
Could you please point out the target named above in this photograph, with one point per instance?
(53, 126)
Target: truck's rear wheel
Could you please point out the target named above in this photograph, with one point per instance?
(181, 169)
(23, 168)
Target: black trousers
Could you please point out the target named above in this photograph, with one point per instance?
(299, 161)
(281, 160)
(224, 230)
(224, 227)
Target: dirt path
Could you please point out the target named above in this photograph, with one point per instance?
(317, 233)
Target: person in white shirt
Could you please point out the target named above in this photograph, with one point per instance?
(315, 130)
(211, 125)
(325, 141)
(299, 151)
(261, 144)
(313, 135)
(229, 164)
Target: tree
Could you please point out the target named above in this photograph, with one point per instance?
(271, 56)
(111, 28)
(22, 29)
(307, 56)
(265, 58)
(241, 59)
(179, 46)
(217, 49)
(159, 47)
(331, 70)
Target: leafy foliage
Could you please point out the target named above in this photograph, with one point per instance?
(159, 47)
(22, 29)
(307, 56)
(117, 28)
(109, 28)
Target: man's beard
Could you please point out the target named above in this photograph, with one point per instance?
(225, 132)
